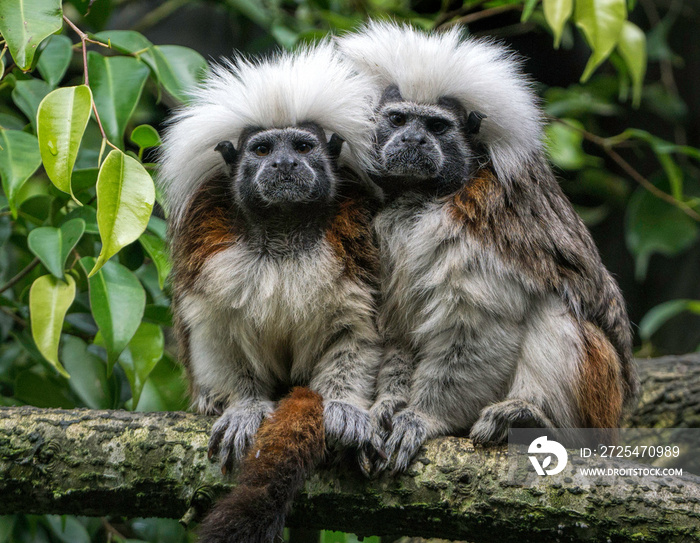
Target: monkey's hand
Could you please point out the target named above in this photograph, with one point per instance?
(409, 432)
(346, 424)
(495, 420)
(205, 404)
(381, 416)
(234, 431)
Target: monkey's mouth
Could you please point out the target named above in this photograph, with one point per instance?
(410, 162)
(288, 188)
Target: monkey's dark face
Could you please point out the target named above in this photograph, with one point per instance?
(279, 167)
(422, 146)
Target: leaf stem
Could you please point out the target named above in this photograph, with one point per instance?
(23, 273)
(607, 146)
(83, 40)
(19, 320)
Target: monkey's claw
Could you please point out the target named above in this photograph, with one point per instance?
(234, 432)
(495, 420)
(407, 437)
(347, 424)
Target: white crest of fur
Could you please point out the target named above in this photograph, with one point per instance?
(313, 84)
(482, 75)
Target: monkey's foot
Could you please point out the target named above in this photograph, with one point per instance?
(409, 432)
(346, 424)
(495, 420)
(235, 430)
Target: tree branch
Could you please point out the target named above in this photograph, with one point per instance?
(155, 464)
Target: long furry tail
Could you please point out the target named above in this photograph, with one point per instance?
(287, 448)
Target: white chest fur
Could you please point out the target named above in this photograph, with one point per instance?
(265, 312)
(434, 272)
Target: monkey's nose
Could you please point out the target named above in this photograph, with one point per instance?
(285, 165)
(415, 138)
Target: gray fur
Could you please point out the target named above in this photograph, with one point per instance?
(277, 297)
(483, 326)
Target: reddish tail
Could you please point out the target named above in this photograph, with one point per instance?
(288, 446)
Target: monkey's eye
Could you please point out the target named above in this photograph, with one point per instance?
(397, 119)
(437, 127)
(303, 148)
(262, 150)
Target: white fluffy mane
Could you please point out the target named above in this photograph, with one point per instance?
(482, 75)
(312, 84)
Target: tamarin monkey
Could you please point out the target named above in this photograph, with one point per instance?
(496, 310)
(274, 271)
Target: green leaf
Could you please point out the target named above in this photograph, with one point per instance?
(19, 159)
(158, 251)
(24, 25)
(28, 94)
(655, 226)
(88, 372)
(601, 22)
(633, 49)
(87, 214)
(67, 529)
(556, 13)
(141, 356)
(125, 197)
(657, 316)
(49, 300)
(39, 391)
(62, 118)
(164, 389)
(565, 145)
(117, 300)
(179, 68)
(11, 121)
(53, 245)
(145, 136)
(54, 59)
(116, 83)
(528, 9)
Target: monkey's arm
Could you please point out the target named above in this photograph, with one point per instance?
(393, 390)
(231, 379)
(346, 372)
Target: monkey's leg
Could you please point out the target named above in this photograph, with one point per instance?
(543, 393)
(345, 376)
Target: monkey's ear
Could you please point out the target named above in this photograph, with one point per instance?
(391, 94)
(474, 123)
(228, 151)
(335, 145)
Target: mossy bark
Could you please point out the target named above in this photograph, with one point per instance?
(155, 464)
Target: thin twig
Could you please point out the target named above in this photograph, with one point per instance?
(21, 275)
(607, 146)
(483, 14)
(442, 18)
(83, 40)
(19, 320)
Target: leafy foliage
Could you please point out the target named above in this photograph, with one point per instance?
(84, 294)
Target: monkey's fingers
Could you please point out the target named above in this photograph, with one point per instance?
(365, 462)
(217, 434)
